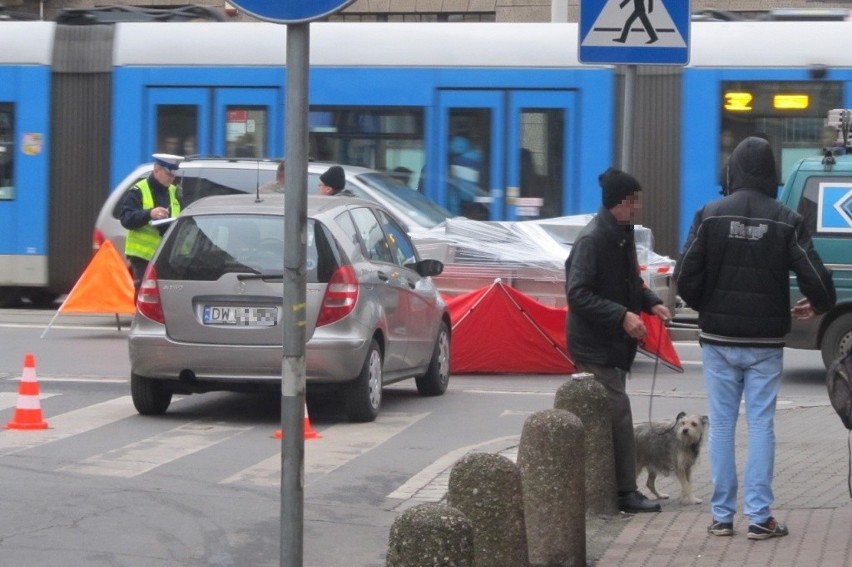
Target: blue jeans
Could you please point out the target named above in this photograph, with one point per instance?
(731, 374)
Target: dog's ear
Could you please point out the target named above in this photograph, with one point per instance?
(705, 420)
(680, 416)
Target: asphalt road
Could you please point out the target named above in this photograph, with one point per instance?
(200, 485)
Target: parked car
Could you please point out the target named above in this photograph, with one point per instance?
(209, 307)
(203, 177)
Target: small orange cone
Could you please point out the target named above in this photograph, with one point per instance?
(310, 432)
(28, 411)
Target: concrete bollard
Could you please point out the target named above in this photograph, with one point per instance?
(552, 463)
(430, 535)
(586, 398)
(486, 488)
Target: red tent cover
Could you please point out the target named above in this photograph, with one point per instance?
(499, 330)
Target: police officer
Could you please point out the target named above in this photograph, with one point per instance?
(151, 199)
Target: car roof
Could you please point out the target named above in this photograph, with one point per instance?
(260, 163)
(269, 204)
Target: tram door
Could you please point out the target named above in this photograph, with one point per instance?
(504, 154)
(230, 122)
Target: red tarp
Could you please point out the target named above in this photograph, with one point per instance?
(499, 330)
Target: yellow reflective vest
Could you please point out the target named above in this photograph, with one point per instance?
(142, 242)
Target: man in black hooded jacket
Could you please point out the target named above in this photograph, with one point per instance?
(734, 271)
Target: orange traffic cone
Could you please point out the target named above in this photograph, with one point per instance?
(28, 411)
(310, 432)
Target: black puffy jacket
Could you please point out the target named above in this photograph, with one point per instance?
(603, 282)
(735, 266)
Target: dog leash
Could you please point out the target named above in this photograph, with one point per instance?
(651, 399)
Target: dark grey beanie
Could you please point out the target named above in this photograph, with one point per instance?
(617, 186)
(334, 178)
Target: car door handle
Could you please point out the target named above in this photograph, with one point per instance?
(383, 276)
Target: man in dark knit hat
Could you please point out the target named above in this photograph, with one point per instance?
(606, 294)
(333, 181)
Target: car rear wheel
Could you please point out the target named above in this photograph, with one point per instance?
(363, 396)
(837, 340)
(150, 397)
(437, 377)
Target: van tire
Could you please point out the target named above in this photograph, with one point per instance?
(150, 397)
(837, 339)
(362, 397)
(437, 377)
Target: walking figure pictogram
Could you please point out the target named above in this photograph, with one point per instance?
(640, 14)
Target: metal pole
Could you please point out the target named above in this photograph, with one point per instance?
(293, 318)
(628, 118)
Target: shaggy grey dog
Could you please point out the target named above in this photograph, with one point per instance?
(666, 447)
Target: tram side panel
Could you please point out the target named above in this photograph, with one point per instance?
(24, 159)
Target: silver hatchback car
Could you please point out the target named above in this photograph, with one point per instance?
(209, 307)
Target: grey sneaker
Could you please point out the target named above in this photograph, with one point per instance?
(721, 528)
(769, 528)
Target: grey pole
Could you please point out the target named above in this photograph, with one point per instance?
(293, 316)
(628, 118)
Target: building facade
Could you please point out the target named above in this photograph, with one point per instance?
(432, 10)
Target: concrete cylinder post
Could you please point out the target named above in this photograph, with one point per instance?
(551, 458)
(586, 398)
(430, 535)
(487, 489)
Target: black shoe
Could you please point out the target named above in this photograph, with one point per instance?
(721, 528)
(769, 528)
(635, 503)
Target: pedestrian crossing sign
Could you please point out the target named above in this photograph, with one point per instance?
(634, 32)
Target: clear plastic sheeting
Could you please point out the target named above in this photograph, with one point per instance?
(526, 255)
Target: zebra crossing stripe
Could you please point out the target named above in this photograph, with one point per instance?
(67, 424)
(10, 399)
(339, 445)
(142, 456)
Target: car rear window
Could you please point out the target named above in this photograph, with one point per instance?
(204, 247)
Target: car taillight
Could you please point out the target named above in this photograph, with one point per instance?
(97, 239)
(340, 296)
(148, 299)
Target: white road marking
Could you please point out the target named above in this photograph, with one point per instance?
(142, 456)
(339, 445)
(10, 399)
(67, 424)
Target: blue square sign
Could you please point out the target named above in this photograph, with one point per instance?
(634, 32)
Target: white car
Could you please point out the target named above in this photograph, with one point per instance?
(204, 177)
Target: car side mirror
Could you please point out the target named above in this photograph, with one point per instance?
(427, 267)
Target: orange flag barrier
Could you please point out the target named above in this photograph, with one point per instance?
(105, 287)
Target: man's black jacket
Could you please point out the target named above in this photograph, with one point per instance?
(603, 282)
(735, 266)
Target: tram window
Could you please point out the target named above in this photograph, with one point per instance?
(790, 114)
(177, 129)
(7, 150)
(383, 139)
(542, 161)
(246, 129)
(468, 162)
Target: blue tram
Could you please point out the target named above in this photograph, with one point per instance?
(493, 121)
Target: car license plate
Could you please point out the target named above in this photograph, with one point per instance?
(240, 316)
